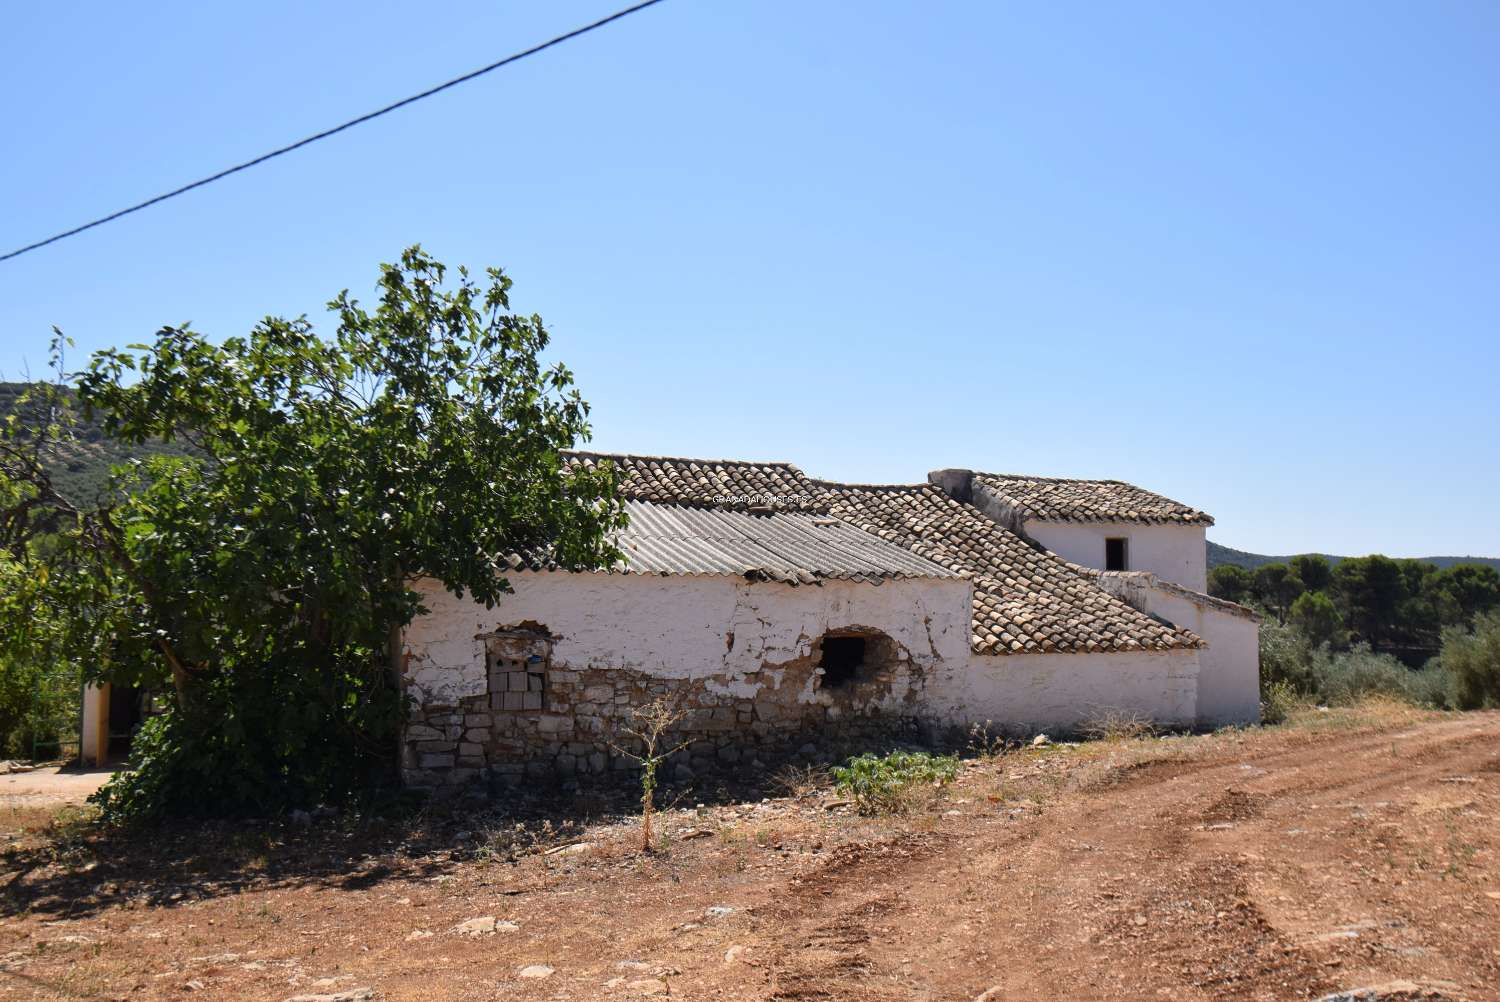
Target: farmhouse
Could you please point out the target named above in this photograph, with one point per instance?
(774, 608)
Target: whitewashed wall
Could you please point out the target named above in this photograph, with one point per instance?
(1173, 552)
(712, 627)
(1031, 692)
(1229, 673)
(681, 628)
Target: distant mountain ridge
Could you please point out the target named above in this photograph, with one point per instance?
(1219, 554)
(80, 467)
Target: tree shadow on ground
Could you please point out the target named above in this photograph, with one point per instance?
(72, 867)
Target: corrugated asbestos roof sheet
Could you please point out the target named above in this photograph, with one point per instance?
(794, 547)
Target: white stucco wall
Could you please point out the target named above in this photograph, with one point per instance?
(681, 627)
(1030, 692)
(1173, 552)
(1229, 672)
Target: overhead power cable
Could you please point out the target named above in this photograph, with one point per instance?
(517, 57)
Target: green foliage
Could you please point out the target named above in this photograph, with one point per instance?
(1313, 570)
(1277, 586)
(1464, 591)
(1471, 661)
(1277, 700)
(1230, 582)
(648, 730)
(1343, 678)
(1370, 590)
(266, 576)
(1318, 618)
(1291, 670)
(1285, 658)
(1395, 606)
(39, 693)
(38, 711)
(1219, 554)
(886, 784)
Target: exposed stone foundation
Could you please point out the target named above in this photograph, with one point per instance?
(538, 720)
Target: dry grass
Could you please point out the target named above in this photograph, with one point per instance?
(800, 781)
(1117, 725)
(1371, 712)
(986, 741)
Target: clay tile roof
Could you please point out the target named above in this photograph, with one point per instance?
(1056, 499)
(708, 483)
(1026, 600)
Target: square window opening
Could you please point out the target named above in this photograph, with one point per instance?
(842, 659)
(1116, 554)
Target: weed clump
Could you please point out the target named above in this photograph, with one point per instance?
(896, 783)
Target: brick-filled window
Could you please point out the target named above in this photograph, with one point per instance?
(518, 680)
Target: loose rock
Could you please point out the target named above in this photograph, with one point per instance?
(486, 925)
(351, 995)
(647, 986)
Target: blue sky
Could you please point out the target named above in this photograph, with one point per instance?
(1242, 254)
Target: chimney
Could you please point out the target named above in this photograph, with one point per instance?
(957, 484)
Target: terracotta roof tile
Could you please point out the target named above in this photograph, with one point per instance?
(708, 483)
(1026, 600)
(1055, 499)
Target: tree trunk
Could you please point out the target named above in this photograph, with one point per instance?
(179, 673)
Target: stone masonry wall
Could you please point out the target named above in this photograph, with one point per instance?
(544, 684)
(578, 730)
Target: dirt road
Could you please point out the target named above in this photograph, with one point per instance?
(49, 786)
(1273, 864)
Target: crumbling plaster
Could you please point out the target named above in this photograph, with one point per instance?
(715, 628)
(738, 658)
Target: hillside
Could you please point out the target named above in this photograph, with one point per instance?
(1220, 554)
(81, 468)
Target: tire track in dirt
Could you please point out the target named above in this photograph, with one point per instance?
(1142, 888)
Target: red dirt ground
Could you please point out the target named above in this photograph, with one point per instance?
(1351, 849)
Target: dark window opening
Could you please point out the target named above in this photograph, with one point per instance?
(1115, 555)
(842, 659)
(125, 718)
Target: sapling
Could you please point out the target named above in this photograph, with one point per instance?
(649, 725)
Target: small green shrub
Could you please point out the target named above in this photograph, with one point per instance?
(1470, 661)
(1346, 677)
(1431, 686)
(1277, 700)
(893, 783)
(1285, 656)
